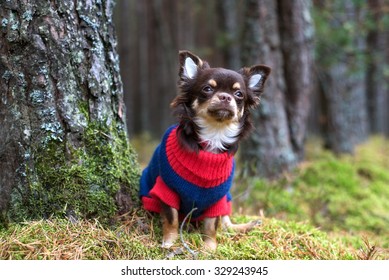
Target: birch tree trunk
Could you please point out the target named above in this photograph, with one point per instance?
(63, 143)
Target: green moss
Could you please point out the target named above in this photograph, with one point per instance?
(81, 182)
(347, 193)
(60, 239)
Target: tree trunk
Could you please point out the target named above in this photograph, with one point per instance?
(228, 23)
(63, 143)
(280, 35)
(126, 23)
(164, 65)
(296, 31)
(376, 88)
(268, 151)
(342, 76)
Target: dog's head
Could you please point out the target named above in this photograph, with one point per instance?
(214, 103)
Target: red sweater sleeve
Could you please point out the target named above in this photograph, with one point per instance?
(161, 192)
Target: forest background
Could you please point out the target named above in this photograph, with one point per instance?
(348, 41)
(329, 60)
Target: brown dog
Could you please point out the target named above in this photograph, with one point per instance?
(193, 166)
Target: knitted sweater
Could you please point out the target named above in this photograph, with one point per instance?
(184, 179)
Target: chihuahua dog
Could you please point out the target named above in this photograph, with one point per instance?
(191, 171)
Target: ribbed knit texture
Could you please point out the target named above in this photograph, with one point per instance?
(183, 179)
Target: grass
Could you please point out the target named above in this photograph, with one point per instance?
(347, 196)
(329, 208)
(140, 239)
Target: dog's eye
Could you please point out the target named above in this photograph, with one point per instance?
(239, 94)
(208, 89)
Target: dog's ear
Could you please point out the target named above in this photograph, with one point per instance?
(190, 65)
(255, 78)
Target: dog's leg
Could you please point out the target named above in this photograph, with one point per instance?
(242, 228)
(169, 225)
(209, 234)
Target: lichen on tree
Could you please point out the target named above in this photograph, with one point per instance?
(64, 146)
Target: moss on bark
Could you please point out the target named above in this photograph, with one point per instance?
(63, 144)
(88, 182)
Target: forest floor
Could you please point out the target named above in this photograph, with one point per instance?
(328, 208)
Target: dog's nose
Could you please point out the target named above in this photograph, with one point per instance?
(224, 97)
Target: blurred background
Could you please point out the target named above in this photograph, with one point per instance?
(347, 39)
(329, 63)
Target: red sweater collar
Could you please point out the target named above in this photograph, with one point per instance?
(204, 169)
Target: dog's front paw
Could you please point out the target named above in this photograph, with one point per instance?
(168, 241)
(166, 245)
(210, 244)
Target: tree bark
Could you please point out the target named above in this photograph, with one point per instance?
(268, 151)
(166, 64)
(126, 25)
(229, 32)
(63, 143)
(279, 34)
(376, 84)
(296, 31)
(342, 76)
